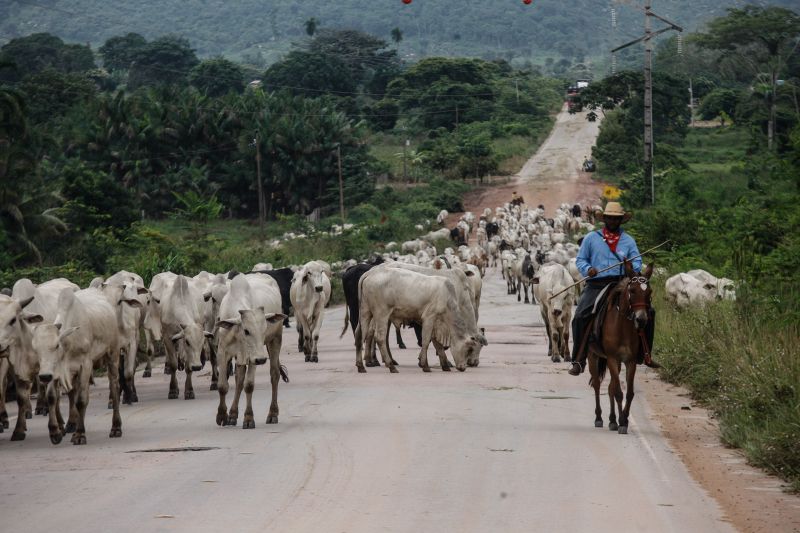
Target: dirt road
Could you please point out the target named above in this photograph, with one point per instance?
(508, 446)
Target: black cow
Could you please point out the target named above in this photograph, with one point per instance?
(457, 236)
(528, 273)
(283, 277)
(576, 210)
(492, 229)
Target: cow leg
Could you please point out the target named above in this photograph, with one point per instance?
(23, 400)
(315, 329)
(400, 343)
(149, 345)
(358, 336)
(445, 364)
(300, 346)
(426, 340)
(4, 367)
(389, 348)
(171, 367)
(417, 332)
(630, 374)
(41, 397)
(555, 343)
(274, 349)
(549, 336)
(519, 295)
(114, 385)
(130, 368)
(233, 413)
(81, 402)
(188, 389)
(249, 385)
(222, 388)
(214, 365)
(379, 335)
(565, 343)
(55, 424)
(525, 288)
(72, 418)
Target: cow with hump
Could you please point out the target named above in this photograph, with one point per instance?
(249, 331)
(311, 290)
(29, 306)
(84, 336)
(556, 307)
(398, 295)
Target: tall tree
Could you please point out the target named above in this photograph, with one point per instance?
(41, 51)
(311, 26)
(217, 76)
(119, 52)
(164, 61)
(761, 37)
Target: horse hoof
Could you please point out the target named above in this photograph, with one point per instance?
(147, 374)
(612, 426)
(70, 427)
(78, 439)
(308, 359)
(272, 419)
(213, 386)
(623, 430)
(314, 359)
(393, 369)
(55, 438)
(188, 395)
(115, 433)
(18, 436)
(173, 395)
(598, 423)
(249, 424)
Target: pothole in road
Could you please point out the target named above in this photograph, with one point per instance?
(182, 449)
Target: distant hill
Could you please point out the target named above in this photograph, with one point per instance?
(261, 31)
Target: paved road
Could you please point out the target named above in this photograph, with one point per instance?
(509, 446)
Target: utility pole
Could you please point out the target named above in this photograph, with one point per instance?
(691, 103)
(259, 185)
(649, 34)
(341, 183)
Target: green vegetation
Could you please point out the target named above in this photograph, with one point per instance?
(727, 200)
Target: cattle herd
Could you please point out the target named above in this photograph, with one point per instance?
(53, 335)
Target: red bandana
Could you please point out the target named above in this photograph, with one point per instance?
(612, 239)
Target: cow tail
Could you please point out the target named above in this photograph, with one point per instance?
(346, 320)
(284, 373)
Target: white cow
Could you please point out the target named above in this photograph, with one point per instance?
(556, 312)
(84, 335)
(440, 218)
(310, 292)
(684, 290)
(726, 288)
(250, 328)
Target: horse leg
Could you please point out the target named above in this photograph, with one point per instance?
(596, 381)
(630, 373)
(614, 393)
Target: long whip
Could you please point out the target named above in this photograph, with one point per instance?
(609, 268)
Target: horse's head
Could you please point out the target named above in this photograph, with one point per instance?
(638, 294)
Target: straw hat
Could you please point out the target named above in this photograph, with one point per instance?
(614, 209)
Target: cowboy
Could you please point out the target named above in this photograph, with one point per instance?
(599, 250)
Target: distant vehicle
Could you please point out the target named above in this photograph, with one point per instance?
(574, 104)
(589, 165)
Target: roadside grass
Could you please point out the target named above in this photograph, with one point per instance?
(744, 365)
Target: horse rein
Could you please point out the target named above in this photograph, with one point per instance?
(643, 281)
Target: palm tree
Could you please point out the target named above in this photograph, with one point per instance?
(311, 26)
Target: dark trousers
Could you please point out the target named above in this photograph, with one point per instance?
(583, 315)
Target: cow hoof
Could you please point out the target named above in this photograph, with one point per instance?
(613, 426)
(5, 423)
(70, 427)
(249, 424)
(188, 395)
(173, 395)
(368, 363)
(556, 359)
(213, 386)
(393, 369)
(402, 346)
(473, 364)
(115, 433)
(395, 362)
(527, 301)
(147, 373)
(55, 438)
(361, 369)
(426, 368)
(446, 368)
(78, 439)
(623, 430)
(232, 420)
(598, 423)
(272, 419)
(308, 359)
(221, 419)
(314, 359)
(18, 436)
(135, 398)
(40, 411)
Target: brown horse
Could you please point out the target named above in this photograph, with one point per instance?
(626, 317)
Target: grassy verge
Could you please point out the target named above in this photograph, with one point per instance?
(744, 365)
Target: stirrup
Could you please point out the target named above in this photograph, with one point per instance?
(652, 364)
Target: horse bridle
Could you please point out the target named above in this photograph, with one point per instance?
(634, 306)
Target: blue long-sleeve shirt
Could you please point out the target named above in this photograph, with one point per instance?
(595, 253)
